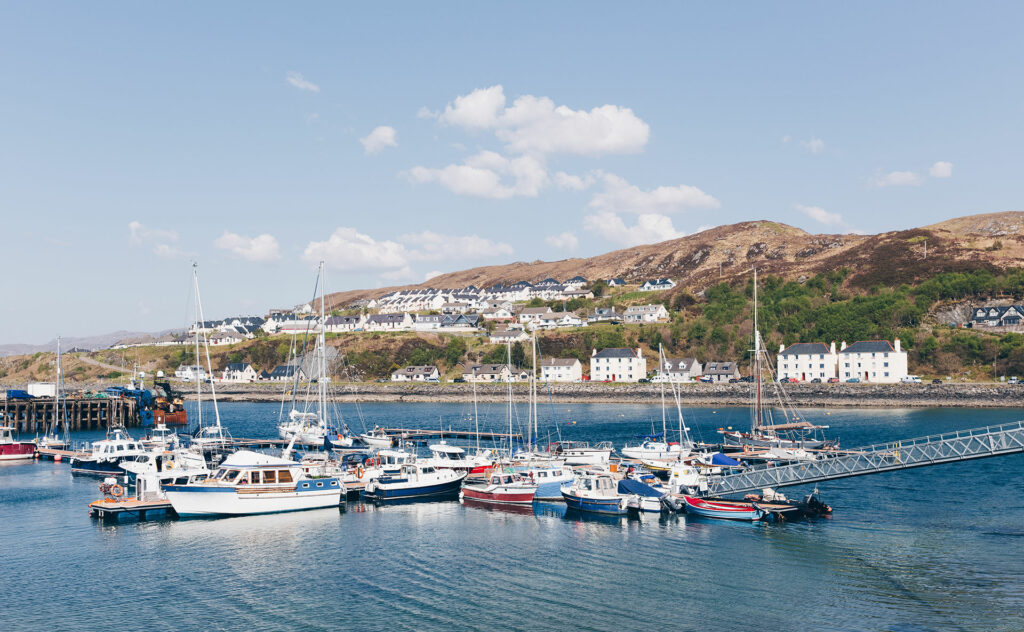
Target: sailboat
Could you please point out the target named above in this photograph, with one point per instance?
(791, 433)
(305, 426)
(215, 436)
(656, 447)
(50, 438)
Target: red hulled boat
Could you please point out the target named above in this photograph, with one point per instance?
(501, 488)
(11, 448)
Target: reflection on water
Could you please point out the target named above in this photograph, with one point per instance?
(899, 553)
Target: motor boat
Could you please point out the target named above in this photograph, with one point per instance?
(107, 454)
(505, 488)
(654, 447)
(11, 449)
(581, 453)
(377, 438)
(414, 480)
(549, 480)
(248, 482)
(596, 493)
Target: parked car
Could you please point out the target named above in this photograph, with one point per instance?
(459, 380)
(644, 380)
(833, 380)
(706, 379)
(816, 380)
(748, 378)
(936, 381)
(1014, 380)
(853, 380)
(733, 380)
(911, 379)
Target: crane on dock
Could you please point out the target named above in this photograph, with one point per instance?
(961, 445)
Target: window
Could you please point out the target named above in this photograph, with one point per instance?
(886, 374)
(885, 364)
(821, 366)
(284, 476)
(270, 476)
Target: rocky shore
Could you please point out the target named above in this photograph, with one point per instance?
(849, 395)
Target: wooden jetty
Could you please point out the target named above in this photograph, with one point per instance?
(110, 509)
(60, 455)
(83, 413)
(420, 434)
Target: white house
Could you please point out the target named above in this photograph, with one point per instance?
(344, 324)
(299, 327)
(487, 373)
(806, 361)
(219, 338)
(657, 285)
(427, 373)
(721, 371)
(508, 335)
(575, 283)
(655, 313)
(239, 372)
(427, 322)
(558, 319)
(678, 370)
(604, 314)
(532, 314)
(190, 373)
(388, 322)
(873, 361)
(496, 313)
(615, 282)
(617, 365)
(561, 370)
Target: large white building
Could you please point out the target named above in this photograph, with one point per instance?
(617, 365)
(807, 361)
(561, 370)
(873, 361)
(655, 313)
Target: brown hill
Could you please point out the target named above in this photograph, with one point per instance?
(993, 240)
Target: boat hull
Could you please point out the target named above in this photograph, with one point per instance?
(755, 442)
(399, 491)
(499, 496)
(17, 451)
(96, 467)
(193, 501)
(609, 506)
(551, 491)
(723, 511)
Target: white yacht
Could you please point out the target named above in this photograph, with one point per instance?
(252, 483)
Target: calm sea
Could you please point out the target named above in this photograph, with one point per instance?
(938, 548)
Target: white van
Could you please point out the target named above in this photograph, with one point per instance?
(912, 379)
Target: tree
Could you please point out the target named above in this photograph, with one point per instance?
(518, 355)
(599, 288)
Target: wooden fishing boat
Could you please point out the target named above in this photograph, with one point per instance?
(502, 488)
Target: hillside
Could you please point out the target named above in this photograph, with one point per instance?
(990, 241)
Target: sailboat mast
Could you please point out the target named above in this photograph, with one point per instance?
(209, 364)
(663, 361)
(322, 373)
(508, 347)
(757, 361)
(195, 373)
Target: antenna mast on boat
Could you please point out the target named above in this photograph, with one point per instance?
(508, 346)
(322, 339)
(662, 369)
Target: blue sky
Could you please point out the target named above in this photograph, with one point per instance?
(411, 138)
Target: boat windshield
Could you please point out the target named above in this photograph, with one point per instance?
(228, 476)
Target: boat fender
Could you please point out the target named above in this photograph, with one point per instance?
(746, 449)
(116, 491)
(360, 472)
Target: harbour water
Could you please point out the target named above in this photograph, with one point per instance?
(936, 548)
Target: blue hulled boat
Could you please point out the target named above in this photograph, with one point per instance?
(596, 493)
(415, 481)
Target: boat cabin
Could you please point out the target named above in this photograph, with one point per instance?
(600, 484)
(448, 452)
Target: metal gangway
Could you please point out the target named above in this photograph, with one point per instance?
(962, 445)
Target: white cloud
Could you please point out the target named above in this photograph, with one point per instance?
(619, 196)
(426, 113)
(814, 145)
(484, 175)
(381, 137)
(820, 215)
(941, 169)
(787, 138)
(432, 274)
(349, 250)
(259, 248)
(300, 82)
(164, 242)
(431, 246)
(535, 125)
(898, 179)
(564, 241)
(649, 228)
(570, 182)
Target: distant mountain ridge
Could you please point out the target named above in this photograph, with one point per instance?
(992, 240)
(90, 343)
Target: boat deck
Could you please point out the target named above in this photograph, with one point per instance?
(142, 509)
(60, 455)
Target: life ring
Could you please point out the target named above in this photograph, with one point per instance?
(746, 449)
(370, 462)
(170, 465)
(116, 491)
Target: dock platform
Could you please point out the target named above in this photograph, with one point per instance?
(59, 455)
(108, 509)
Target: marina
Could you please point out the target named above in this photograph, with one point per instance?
(852, 542)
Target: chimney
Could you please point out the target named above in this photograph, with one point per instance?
(896, 344)
(639, 353)
(782, 348)
(832, 348)
(593, 353)
(843, 347)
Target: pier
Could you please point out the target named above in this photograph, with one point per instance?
(420, 435)
(962, 445)
(83, 413)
